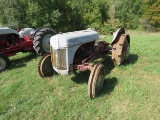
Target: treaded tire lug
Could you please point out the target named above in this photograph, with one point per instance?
(42, 39)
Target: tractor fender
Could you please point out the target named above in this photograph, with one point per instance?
(119, 32)
(26, 31)
(6, 30)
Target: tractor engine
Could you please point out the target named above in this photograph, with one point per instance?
(94, 48)
(8, 40)
(12, 41)
(83, 52)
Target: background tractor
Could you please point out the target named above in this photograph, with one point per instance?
(81, 50)
(12, 42)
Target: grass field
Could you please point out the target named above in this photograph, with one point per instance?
(131, 91)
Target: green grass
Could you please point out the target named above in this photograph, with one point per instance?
(131, 91)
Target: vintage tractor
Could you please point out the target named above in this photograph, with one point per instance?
(12, 41)
(80, 50)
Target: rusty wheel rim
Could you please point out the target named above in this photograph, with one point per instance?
(90, 81)
(96, 80)
(120, 50)
(45, 68)
(125, 50)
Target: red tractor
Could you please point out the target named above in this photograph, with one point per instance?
(14, 41)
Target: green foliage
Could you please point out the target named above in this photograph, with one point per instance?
(152, 16)
(13, 12)
(69, 15)
(128, 12)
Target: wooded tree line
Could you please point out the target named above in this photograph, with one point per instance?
(69, 15)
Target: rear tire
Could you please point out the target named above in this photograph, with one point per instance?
(120, 49)
(4, 62)
(41, 42)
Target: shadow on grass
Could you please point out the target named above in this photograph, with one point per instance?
(132, 59)
(108, 64)
(109, 83)
(109, 86)
(21, 62)
(81, 77)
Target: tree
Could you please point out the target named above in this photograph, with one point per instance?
(152, 15)
(69, 15)
(129, 12)
(13, 12)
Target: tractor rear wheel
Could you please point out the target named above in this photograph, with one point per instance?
(4, 62)
(96, 80)
(45, 68)
(41, 42)
(120, 49)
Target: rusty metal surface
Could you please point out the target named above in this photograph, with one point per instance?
(90, 81)
(83, 52)
(45, 68)
(89, 52)
(120, 49)
(96, 80)
(58, 58)
(90, 58)
(87, 66)
(53, 57)
(61, 59)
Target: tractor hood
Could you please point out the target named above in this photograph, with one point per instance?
(26, 31)
(73, 38)
(6, 30)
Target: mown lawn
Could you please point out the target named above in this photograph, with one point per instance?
(131, 91)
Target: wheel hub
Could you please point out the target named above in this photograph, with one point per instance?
(45, 68)
(46, 42)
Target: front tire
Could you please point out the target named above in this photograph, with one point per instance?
(45, 68)
(41, 42)
(96, 80)
(4, 62)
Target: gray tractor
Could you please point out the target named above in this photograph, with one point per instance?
(80, 50)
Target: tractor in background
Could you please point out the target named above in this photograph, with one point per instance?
(14, 41)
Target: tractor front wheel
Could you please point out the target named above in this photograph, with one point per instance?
(45, 68)
(96, 80)
(41, 42)
(4, 62)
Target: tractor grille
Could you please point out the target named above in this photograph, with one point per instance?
(58, 58)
